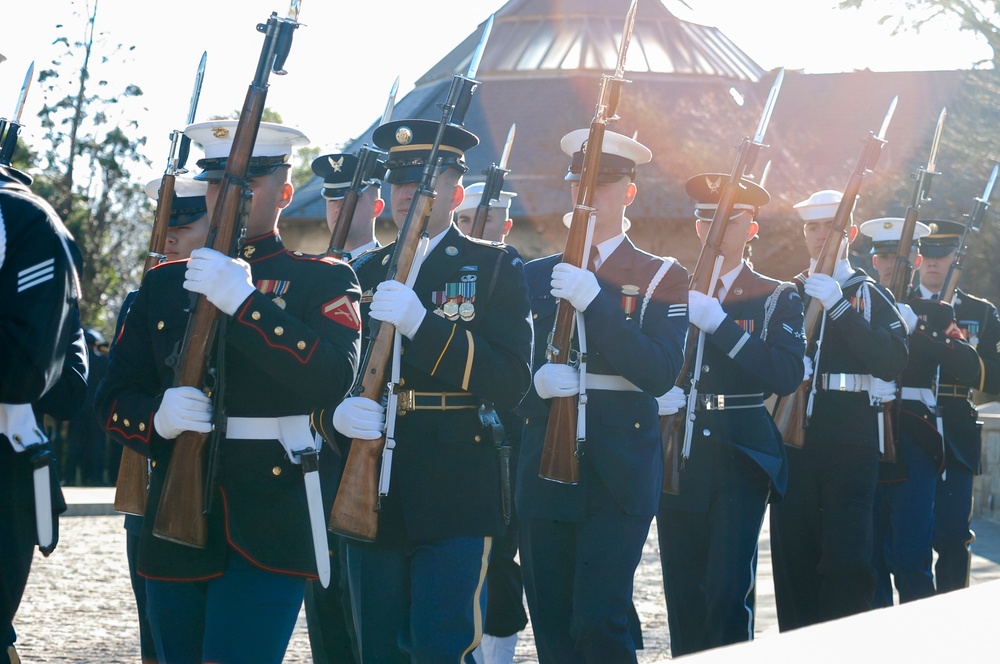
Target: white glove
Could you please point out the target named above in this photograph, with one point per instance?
(824, 288)
(671, 402)
(906, 313)
(808, 362)
(397, 304)
(223, 280)
(557, 380)
(578, 286)
(359, 417)
(883, 389)
(705, 312)
(183, 409)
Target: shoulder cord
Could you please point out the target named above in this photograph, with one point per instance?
(653, 283)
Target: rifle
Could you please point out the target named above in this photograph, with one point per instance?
(898, 282)
(180, 517)
(979, 207)
(790, 411)
(495, 175)
(133, 471)
(355, 509)
(675, 431)
(560, 462)
(368, 162)
(10, 129)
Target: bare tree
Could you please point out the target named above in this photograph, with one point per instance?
(981, 17)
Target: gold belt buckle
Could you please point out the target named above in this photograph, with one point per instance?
(405, 401)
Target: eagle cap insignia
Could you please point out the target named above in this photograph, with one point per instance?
(404, 135)
(336, 165)
(933, 227)
(220, 132)
(887, 225)
(713, 185)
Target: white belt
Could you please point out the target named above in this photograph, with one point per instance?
(839, 382)
(924, 395)
(292, 431)
(610, 383)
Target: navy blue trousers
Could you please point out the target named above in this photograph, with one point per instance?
(952, 534)
(246, 615)
(578, 579)
(709, 557)
(422, 605)
(821, 534)
(904, 524)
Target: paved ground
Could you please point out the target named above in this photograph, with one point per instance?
(78, 605)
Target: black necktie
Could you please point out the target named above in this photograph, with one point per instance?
(595, 255)
(934, 297)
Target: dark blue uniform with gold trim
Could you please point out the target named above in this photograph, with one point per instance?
(821, 533)
(580, 545)
(292, 347)
(980, 325)
(708, 532)
(444, 502)
(904, 501)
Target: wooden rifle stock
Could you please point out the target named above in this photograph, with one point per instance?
(979, 207)
(674, 428)
(790, 411)
(132, 485)
(703, 278)
(133, 469)
(354, 513)
(559, 453)
(180, 516)
(365, 171)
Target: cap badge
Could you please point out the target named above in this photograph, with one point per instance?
(404, 135)
(220, 132)
(713, 185)
(933, 227)
(336, 165)
(887, 225)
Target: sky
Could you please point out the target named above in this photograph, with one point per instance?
(347, 54)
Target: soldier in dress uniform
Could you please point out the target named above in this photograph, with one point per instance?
(821, 533)
(417, 591)
(337, 171)
(187, 230)
(43, 369)
(332, 636)
(289, 341)
(753, 348)
(580, 544)
(505, 612)
(977, 319)
(904, 499)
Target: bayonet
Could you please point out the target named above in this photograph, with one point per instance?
(505, 155)
(178, 158)
(24, 92)
(478, 55)
(981, 204)
(888, 118)
(772, 98)
(9, 130)
(294, 9)
(936, 142)
(626, 39)
(391, 103)
(199, 77)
